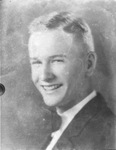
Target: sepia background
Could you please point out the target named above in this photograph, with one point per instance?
(25, 120)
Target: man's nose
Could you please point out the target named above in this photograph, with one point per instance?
(47, 74)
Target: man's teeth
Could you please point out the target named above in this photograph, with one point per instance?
(51, 87)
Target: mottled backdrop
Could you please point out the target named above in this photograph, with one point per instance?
(25, 120)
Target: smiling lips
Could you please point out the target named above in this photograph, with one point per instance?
(51, 88)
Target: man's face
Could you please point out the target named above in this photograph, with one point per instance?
(57, 67)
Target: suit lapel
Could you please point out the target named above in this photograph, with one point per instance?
(82, 119)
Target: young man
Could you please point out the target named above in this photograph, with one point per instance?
(62, 57)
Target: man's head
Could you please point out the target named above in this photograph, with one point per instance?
(62, 58)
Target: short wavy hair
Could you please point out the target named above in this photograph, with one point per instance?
(66, 21)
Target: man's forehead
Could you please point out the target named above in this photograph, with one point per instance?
(45, 44)
(51, 36)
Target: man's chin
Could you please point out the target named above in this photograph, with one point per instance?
(51, 103)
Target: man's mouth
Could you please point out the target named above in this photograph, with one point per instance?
(50, 88)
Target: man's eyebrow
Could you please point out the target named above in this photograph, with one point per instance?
(60, 55)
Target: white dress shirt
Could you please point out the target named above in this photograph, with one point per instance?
(67, 117)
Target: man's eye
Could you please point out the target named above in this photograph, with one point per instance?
(36, 62)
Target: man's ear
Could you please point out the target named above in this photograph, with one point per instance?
(90, 63)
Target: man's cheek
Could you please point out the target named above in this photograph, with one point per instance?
(35, 77)
(68, 75)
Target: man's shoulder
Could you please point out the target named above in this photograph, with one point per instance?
(103, 113)
(98, 107)
(100, 128)
(99, 113)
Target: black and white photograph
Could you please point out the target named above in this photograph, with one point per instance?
(58, 75)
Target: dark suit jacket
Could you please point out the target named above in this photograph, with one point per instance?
(93, 128)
